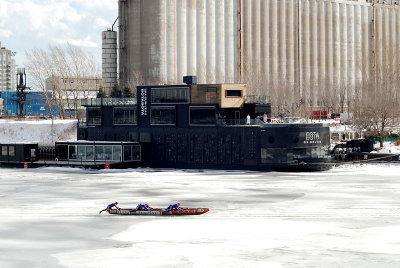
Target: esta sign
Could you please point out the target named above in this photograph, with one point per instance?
(312, 137)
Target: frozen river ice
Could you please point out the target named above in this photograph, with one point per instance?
(346, 217)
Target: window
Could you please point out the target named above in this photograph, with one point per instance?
(320, 152)
(81, 152)
(93, 153)
(202, 116)
(94, 116)
(132, 153)
(273, 155)
(4, 150)
(125, 116)
(11, 150)
(170, 95)
(212, 89)
(72, 152)
(116, 153)
(233, 93)
(81, 155)
(89, 153)
(108, 152)
(99, 152)
(163, 116)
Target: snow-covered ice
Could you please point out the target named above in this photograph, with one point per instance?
(346, 217)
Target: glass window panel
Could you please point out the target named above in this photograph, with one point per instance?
(163, 116)
(202, 116)
(93, 116)
(89, 153)
(269, 155)
(81, 155)
(233, 93)
(4, 150)
(125, 116)
(116, 153)
(127, 153)
(108, 152)
(11, 150)
(136, 152)
(72, 152)
(290, 157)
(170, 95)
(99, 152)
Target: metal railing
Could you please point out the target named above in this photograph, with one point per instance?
(257, 99)
(239, 122)
(259, 122)
(47, 153)
(109, 102)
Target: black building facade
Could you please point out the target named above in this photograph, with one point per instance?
(206, 126)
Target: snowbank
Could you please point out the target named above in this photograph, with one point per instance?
(44, 132)
(388, 148)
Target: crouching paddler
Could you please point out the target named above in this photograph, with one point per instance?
(110, 206)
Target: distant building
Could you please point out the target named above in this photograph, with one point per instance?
(8, 80)
(1, 106)
(84, 85)
(35, 104)
(73, 89)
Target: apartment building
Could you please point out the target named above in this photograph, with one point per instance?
(8, 78)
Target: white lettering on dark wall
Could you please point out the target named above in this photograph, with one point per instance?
(312, 138)
(143, 97)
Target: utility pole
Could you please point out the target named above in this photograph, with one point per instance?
(299, 73)
(240, 59)
(373, 45)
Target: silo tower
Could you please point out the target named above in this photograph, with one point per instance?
(109, 60)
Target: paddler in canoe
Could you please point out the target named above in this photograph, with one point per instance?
(110, 206)
(141, 207)
(174, 207)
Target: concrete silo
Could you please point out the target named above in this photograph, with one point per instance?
(290, 49)
(109, 60)
(166, 40)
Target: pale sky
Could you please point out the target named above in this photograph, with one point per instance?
(30, 24)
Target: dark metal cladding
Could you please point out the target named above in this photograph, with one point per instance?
(18, 152)
(173, 132)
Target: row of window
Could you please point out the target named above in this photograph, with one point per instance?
(282, 155)
(85, 81)
(8, 150)
(181, 94)
(104, 153)
(170, 95)
(163, 115)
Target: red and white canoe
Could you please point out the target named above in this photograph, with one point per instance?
(159, 211)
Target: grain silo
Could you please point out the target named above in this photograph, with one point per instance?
(293, 50)
(109, 59)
